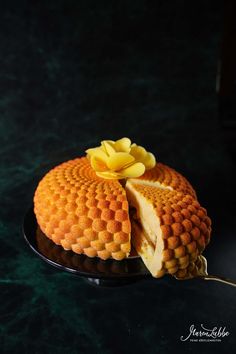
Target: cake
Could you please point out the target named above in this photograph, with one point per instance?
(99, 207)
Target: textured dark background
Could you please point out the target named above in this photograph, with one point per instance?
(71, 74)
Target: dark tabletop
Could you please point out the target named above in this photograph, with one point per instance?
(74, 73)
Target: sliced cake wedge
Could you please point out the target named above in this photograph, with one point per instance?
(169, 228)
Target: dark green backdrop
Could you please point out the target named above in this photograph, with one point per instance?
(71, 74)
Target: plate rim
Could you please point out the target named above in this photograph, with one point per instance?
(113, 276)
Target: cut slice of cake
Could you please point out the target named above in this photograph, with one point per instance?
(169, 228)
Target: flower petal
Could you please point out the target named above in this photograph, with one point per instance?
(108, 175)
(119, 160)
(138, 152)
(108, 147)
(135, 170)
(91, 151)
(98, 164)
(149, 161)
(123, 145)
(99, 153)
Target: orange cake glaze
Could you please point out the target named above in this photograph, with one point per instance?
(168, 177)
(82, 212)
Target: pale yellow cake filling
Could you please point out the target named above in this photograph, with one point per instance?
(146, 231)
(141, 243)
(149, 183)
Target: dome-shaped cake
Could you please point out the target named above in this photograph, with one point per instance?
(83, 212)
(158, 212)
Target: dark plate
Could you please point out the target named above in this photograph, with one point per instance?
(94, 270)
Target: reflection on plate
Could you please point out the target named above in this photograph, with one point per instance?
(97, 271)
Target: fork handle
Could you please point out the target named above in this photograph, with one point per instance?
(219, 279)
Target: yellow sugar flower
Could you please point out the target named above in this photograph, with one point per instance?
(120, 159)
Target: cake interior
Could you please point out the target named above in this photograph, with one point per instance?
(146, 235)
